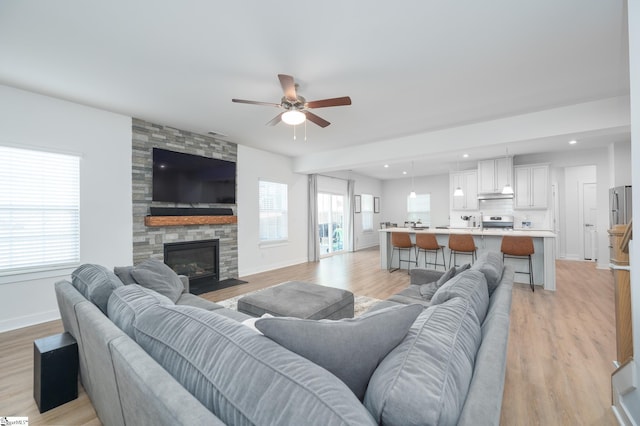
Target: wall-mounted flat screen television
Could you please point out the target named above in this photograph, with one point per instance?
(187, 178)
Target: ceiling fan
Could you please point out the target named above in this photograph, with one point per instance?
(296, 108)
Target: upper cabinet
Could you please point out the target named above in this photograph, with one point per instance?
(468, 181)
(494, 174)
(531, 186)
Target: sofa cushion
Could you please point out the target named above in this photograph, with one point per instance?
(95, 283)
(155, 275)
(471, 285)
(126, 302)
(492, 266)
(365, 340)
(428, 290)
(425, 379)
(241, 376)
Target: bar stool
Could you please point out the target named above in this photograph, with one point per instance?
(402, 242)
(461, 244)
(428, 244)
(519, 248)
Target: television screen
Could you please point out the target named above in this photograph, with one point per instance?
(187, 178)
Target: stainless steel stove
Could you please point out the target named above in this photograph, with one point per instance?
(500, 222)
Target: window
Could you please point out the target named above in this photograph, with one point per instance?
(273, 211)
(367, 212)
(39, 210)
(419, 209)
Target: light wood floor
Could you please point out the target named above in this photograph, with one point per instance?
(561, 344)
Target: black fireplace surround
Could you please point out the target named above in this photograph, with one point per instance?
(199, 260)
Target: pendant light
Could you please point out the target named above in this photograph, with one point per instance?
(412, 194)
(507, 190)
(458, 191)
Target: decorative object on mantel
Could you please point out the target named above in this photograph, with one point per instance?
(189, 220)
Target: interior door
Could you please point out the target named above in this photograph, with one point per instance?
(589, 220)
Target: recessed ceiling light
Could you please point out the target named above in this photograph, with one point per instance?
(573, 142)
(386, 166)
(465, 155)
(404, 172)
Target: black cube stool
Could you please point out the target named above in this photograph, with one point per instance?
(55, 371)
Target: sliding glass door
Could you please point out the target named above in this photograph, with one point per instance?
(331, 223)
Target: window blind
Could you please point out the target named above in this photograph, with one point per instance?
(273, 211)
(419, 209)
(39, 210)
(367, 212)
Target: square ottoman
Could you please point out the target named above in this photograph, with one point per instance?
(299, 299)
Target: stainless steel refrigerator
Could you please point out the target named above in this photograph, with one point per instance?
(619, 205)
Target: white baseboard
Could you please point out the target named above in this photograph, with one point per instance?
(28, 320)
(271, 267)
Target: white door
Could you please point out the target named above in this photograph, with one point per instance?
(589, 220)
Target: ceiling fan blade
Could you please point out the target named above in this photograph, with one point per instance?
(345, 100)
(242, 101)
(276, 119)
(288, 86)
(315, 119)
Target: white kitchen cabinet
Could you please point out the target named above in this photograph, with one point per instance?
(494, 174)
(531, 186)
(468, 181)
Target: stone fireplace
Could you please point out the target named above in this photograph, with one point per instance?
(149, 241)
(199, 260)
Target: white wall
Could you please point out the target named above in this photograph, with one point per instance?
(632, 400)
(103, 140)
(395, 193)
(620, 163)
(254, 164)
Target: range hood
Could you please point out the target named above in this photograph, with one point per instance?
(495, 196)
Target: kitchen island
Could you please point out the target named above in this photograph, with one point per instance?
(544, 265)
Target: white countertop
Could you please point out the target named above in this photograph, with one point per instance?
(536, 233)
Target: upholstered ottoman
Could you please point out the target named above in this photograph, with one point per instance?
(299, 299)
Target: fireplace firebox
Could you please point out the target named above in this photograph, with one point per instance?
(199, 260)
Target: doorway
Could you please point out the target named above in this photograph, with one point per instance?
(331, 223)
(589, 216)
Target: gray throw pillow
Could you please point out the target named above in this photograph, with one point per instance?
(95, 283)
(128, 301)
(155, 275)
(124, 273)
(492, 266)
(428, 290)
(470, 285)
(459, 269)
(351, 349)
(447, 276)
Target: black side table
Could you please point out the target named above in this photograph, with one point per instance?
(55, 370)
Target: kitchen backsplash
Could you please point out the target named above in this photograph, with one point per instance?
(539, 219)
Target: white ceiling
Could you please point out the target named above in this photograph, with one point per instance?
(411, 69)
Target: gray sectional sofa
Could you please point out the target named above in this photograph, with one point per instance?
(150, 353)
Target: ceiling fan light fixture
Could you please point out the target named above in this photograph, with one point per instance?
(294, 117)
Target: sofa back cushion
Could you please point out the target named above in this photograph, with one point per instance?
(470, 285)
(128, 301)
(425, 379)
(242, 376)
(492, 266)
(95, 283)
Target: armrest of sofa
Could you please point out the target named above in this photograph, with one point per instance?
(424, 276)
(185, 283)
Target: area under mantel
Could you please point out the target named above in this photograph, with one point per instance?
(189, 220)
